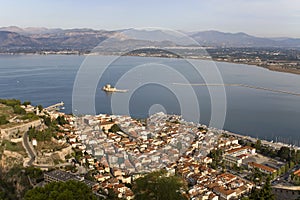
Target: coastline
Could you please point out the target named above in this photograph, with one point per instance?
(274, 67)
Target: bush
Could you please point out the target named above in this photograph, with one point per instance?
(30, 116)
(61, 190)
(3, 120)
(115, 128)
(26, 103)
(45, 135)
(19, 110)
(10, 102)
(157, 185)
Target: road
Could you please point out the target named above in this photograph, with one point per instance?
(29, 149)
(284, 178)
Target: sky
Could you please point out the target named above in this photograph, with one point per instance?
(265, 18)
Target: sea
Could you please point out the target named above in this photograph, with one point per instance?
(202, 91)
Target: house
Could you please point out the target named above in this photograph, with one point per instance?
(34, 142)
(232, 160)
(101, 177)
(262, 168)
(106, 125)
(224, 193)
(116, 172)
(125, 179)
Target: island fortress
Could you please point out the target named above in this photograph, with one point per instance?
(109, 88)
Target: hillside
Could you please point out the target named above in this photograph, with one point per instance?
(15, 39)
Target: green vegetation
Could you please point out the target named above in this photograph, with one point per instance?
(40, 107)
(77, 154)
(40, 136)
(11, 108)
(13, 184)
(115, 128)
(19, 110)
(10, 102)
(34, 173)
(6, 191)
(53, 124)
(12, 146)
(264, 193)
(48, 133)
(3, 120)
(26, 103)
(216, 156)
(15, 104)
(30, 116)
(61, 191)
(157, 185)
(47, 120)
(61, 120)
(285, 154)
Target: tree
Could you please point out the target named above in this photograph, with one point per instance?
(26, 103)
(264, 193)
(61, 120)
(284, 153)
(44, 135)
(257, 144)
(111, 194)
(3, 120)
(157, 185)
(19, 110)
(40, 107)
(10, 102)
(47, 121)
(115, 128)
(61, 191)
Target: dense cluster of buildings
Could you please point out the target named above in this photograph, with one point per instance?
(121, 155)
(119, 149)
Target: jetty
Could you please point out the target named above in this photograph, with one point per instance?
(55, 106)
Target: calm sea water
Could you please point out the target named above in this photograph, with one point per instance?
(50, 79)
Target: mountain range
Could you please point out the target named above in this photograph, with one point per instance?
(36, 39)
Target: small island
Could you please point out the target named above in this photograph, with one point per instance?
(109, 88)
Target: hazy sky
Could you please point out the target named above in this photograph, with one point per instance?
(257, 17)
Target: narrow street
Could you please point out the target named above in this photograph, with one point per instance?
(30, 151)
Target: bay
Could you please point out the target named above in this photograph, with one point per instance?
(259, 113)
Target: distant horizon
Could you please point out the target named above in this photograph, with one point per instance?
(263, 18)
(158, 28)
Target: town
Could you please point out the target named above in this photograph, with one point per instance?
(276, 59)
(110, 152)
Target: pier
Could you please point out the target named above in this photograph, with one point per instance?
(55, 106)
(240, 85)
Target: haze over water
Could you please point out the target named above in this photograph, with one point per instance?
(49, 79)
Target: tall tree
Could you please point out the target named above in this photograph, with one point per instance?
(61, 191)
(157, 185)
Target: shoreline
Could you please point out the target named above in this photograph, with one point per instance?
(275, 67)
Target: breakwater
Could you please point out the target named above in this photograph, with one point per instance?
(240, 85)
